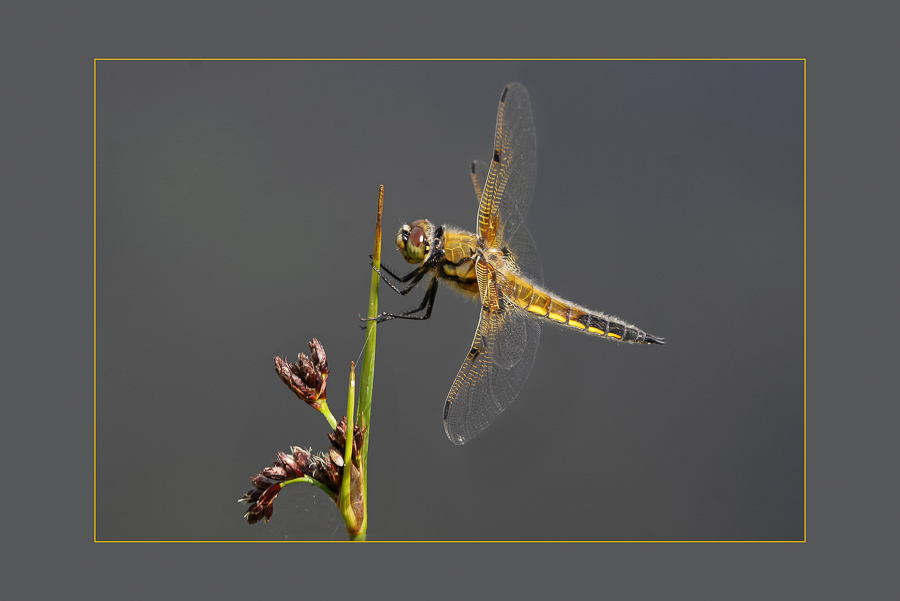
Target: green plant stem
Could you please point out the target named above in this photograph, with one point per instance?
(324, 410)
(346, 499)
(351, 397)
(309, 480)
(368, 368)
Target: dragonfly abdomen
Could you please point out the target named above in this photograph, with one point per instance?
(542, 303)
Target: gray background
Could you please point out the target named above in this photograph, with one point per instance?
(48, 417)
(235, 212)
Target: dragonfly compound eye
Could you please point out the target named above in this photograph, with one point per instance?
(416, 246)
(416, 237)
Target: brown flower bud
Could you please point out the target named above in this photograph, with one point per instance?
(308, 377)
(331, 475)
(318, 355)
(290, 375)
(336, 457)
(292, 468)
(256, 513)
(262, 481)
(276, 473)
(338, 438)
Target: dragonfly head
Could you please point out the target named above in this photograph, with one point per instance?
(414, 240)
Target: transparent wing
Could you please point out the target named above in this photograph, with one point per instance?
(522, 256)
(509, 186)
(497, 365)
(522, 252)
(506, 341)
(479, 176)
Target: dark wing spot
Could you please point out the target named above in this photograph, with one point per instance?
(503, 95)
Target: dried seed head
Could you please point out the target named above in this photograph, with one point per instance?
(308, 377)
(275, 473)
(318, 355)
(336, 457)
(292, 468)
(338, 439)
(262, 481)
(260, 501)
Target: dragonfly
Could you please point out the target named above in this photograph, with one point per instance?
(500, 267)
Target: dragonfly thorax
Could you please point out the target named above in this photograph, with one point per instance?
(493, 255)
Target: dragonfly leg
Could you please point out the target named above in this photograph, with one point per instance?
(415, 275)
(402, 278)
(399, 278)
(427, 305)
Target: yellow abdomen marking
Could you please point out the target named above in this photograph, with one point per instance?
(559, 312)
(577, 318)
(540, 304)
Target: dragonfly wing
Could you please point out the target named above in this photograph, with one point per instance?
(509, 186)
(494, 370)
(479, 176)
(522, 256)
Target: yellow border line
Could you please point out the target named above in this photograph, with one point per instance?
(804, 300)
(446, 59)
(95, 301)
(452, 59)
(406, 542)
